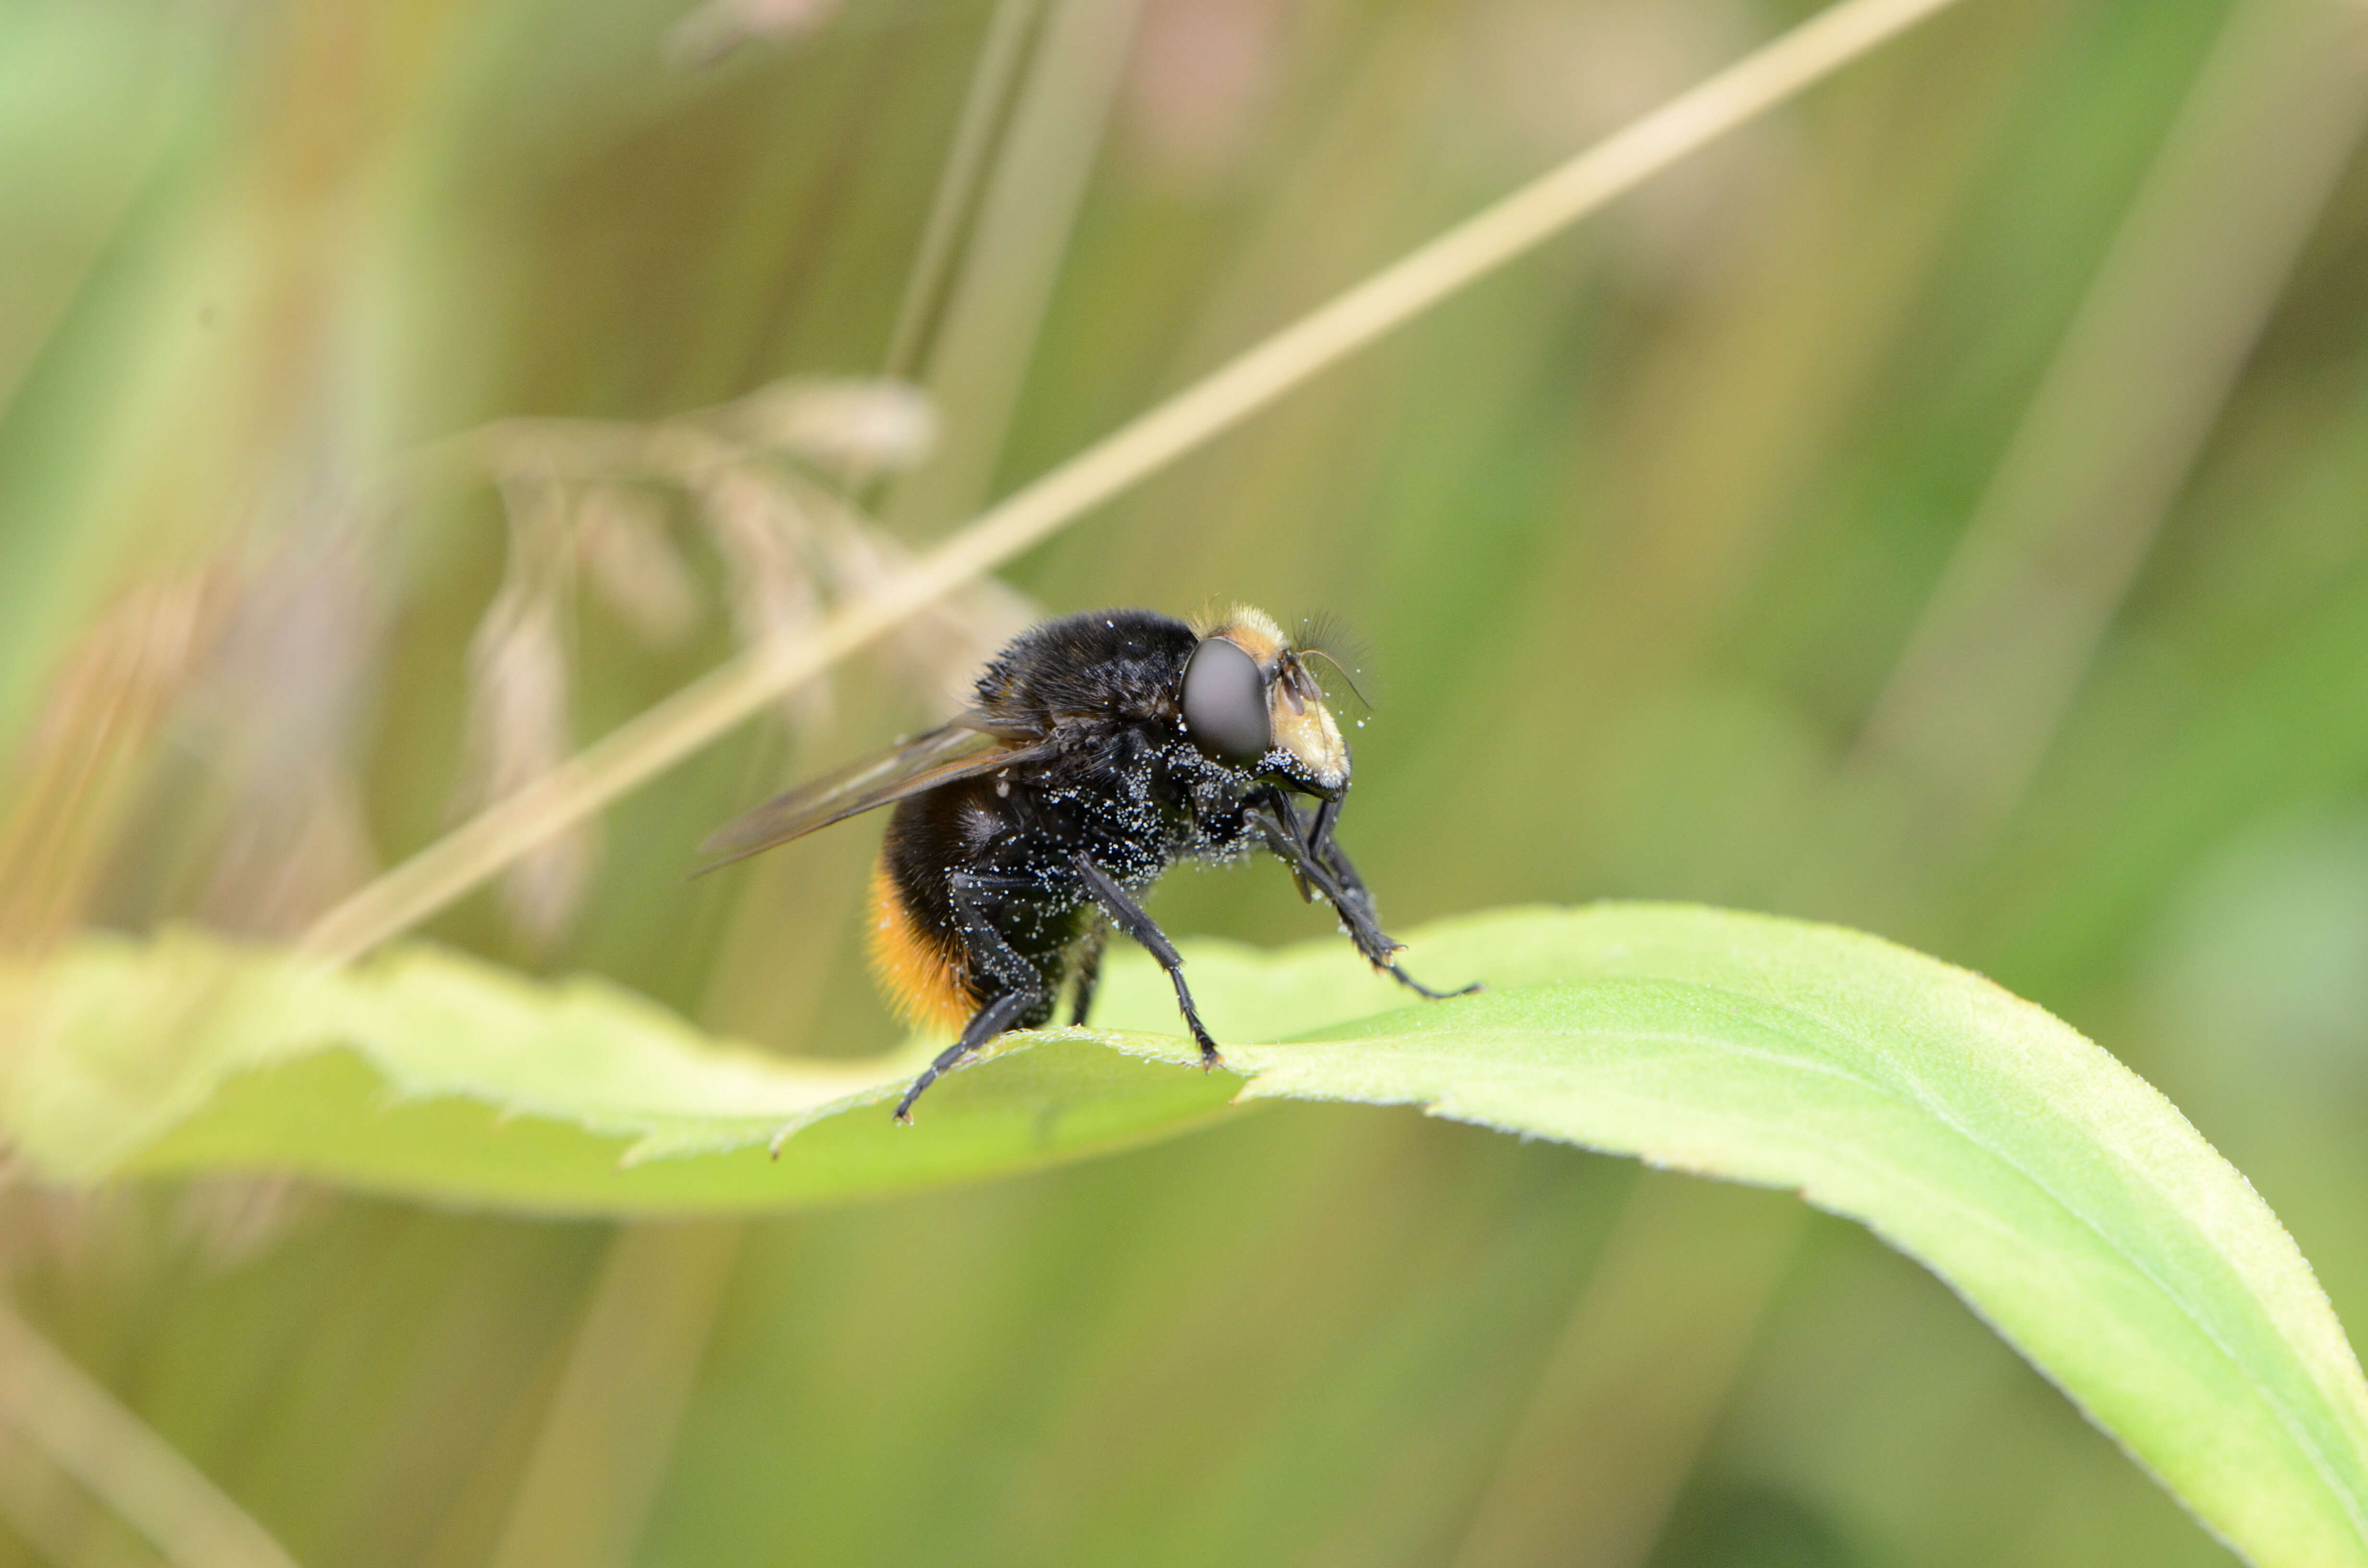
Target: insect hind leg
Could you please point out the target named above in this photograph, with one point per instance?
(1089, 967)
(990, 1020)
(1020, 1002)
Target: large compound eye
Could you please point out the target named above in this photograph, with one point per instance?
(1224, 701)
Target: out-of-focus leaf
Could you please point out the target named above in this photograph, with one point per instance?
(2068, 1203)
(429, 1074)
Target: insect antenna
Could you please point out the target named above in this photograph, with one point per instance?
(1324, 636)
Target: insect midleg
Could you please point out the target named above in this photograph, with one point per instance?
(1131, 918)
(1023, 987)
(1089, 966)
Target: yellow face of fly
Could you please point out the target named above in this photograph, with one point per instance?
(1301, 724)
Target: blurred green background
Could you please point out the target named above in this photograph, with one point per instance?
(1938, 509)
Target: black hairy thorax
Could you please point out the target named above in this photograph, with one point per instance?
(1122, 785)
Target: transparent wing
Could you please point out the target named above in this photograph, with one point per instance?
(941, 756)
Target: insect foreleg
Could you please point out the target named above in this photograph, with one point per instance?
(1130, 917)
(1286, 835)
(1023, 996)
(1325, 849)
(1314, 856)
(1420, 989)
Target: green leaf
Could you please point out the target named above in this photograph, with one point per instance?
(2066, 1200)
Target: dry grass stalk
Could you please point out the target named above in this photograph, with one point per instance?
(662, 735)
(275, 720)
(582, 500)
(80, 766)
(773, 589)
(85, 1432)
(517, 730)
(623, 554)
(719, 27)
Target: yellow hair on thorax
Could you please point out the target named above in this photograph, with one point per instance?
(1247, 627)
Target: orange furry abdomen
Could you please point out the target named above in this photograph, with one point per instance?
(925, 985)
